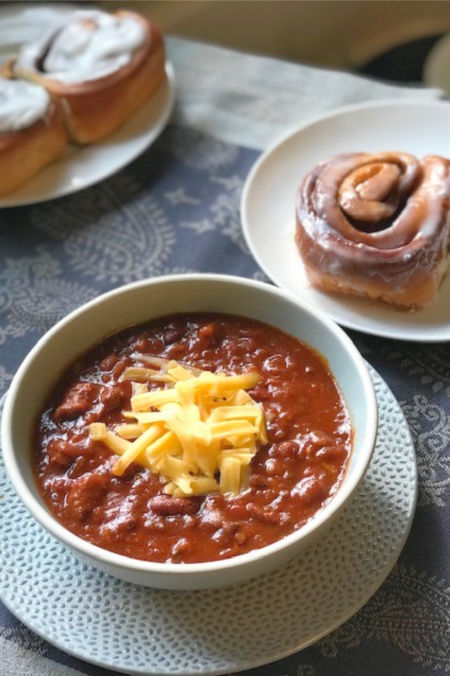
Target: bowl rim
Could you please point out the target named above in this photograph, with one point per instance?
(313, 526)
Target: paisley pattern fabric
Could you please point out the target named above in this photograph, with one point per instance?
(174, 210)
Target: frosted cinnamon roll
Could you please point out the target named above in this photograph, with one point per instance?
(32, 133)
(376, 225)
(101, 67)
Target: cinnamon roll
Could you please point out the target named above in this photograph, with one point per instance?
(32, 132)
(101, 68)
(376, 225)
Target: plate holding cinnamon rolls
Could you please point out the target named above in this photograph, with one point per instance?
(99, 67)
(376, 225)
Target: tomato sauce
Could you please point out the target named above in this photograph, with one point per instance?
(291, 477)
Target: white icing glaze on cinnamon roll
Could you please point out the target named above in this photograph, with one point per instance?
(376, 225)
(21, 104)
(87, 46)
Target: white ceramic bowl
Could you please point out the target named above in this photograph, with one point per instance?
(141, 301)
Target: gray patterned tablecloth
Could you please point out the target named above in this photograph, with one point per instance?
(176, 209)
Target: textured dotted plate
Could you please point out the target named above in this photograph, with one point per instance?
(146, 631)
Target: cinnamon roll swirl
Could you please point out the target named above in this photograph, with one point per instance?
(32, 133)
(376, 225)
(100, 67)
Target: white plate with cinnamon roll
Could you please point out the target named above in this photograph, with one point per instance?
(82, 93)
(351, 213)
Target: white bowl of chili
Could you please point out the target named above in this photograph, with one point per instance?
(71, 400)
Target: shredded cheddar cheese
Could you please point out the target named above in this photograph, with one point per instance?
(198, 433)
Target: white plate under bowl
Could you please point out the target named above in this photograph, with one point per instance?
(139, 630)
(81, 167)
(268, 216)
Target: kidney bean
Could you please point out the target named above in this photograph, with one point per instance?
(207, 331)
(108, 362)
(171, 336)
(287, 449)
(274, 466)
(118, 369)
(167, 505)
(141, 344)
(310, 489)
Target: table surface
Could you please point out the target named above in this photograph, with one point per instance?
(176, 209)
